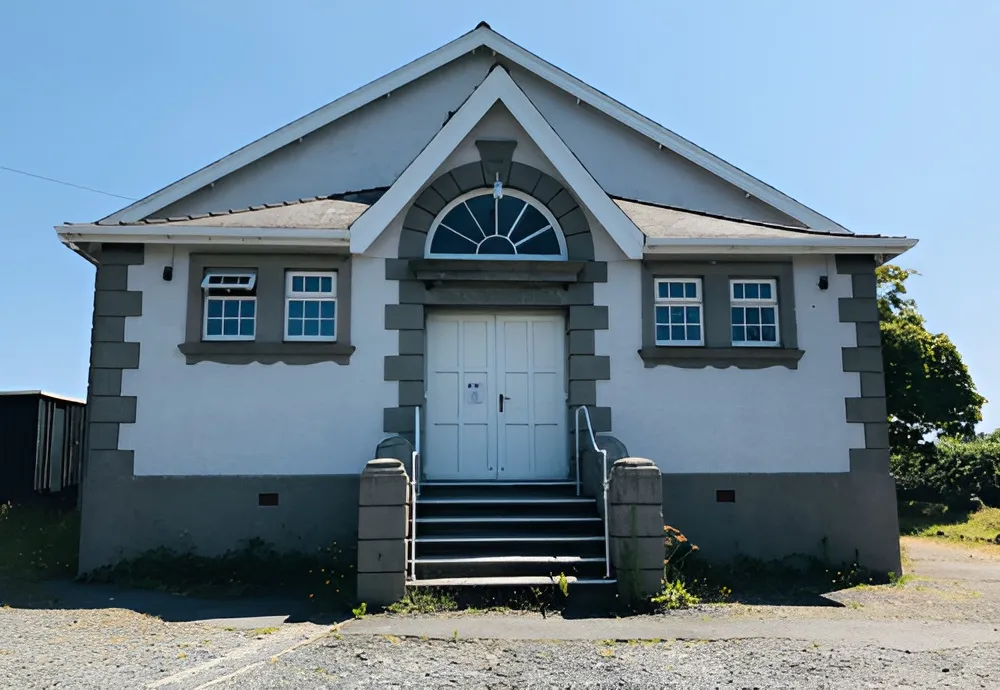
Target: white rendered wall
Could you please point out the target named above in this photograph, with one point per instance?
(734, 420)
(254, 419)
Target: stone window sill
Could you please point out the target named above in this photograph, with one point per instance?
(721, 357)
(266, 353)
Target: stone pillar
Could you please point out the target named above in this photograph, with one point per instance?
(383, 525)
(635, 505)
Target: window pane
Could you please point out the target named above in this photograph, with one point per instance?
(326, 328)
(295, 309)
(737, 315)
(753, 334)
(298, 283)
(769, 334)
(693, 314)
(447, 242)
(531, 222)
(663, 315)
(230, 326)
(765, 291)
(751, 291)
(312, 309)
(546, 244)
(214, 307)
(690, 290)
(663, 290)
(213, 327)
(753, 315)
(482, 208)
(767, 315)
(737, 290)
(510, 209)
(311, 327)
(247, 308)
(738, 334)
(662, 333)
(246, 326)
(312, 284)
(677, 332)
(326, 284)
(294, 327)
(676, 314)
(231, 308)
(326, 309)
(694, 333)
(676, 290)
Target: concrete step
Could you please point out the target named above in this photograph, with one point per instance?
(497, 489)
(509, 581)
(521, 507)
(465, 566)
(500, 545)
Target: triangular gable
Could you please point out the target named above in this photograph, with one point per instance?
(481, 37)
(498, 86)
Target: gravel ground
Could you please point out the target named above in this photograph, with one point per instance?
(109, 648)
(944, 610)
(387, 662)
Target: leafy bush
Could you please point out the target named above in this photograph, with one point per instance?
(675, 596)
(953, 471)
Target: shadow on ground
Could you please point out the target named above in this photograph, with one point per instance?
(241, 612)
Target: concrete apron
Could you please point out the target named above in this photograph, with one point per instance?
(901, 635)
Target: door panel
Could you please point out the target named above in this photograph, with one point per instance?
(461, 413)
(530, 371)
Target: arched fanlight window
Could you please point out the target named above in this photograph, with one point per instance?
(478, 225)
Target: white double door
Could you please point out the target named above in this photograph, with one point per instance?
(496, 397)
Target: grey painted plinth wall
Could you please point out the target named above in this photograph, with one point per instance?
(123, 515)
(635, 525)
(833, 517)
(383, 504)
(504, 290)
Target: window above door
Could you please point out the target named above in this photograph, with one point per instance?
(482, 225)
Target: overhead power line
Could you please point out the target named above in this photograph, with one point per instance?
(63, 182)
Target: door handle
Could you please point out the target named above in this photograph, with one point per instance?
(502, 398)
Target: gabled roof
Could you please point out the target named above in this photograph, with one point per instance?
(310, 223)
(481, 37)
(497, 87)
(327, 212)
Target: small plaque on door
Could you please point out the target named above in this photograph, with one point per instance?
(475, 393)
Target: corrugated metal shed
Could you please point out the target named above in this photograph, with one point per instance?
(41, 442)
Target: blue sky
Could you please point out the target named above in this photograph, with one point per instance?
(882, 115)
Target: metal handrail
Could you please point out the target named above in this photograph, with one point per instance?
(604, 478)
(414, 492)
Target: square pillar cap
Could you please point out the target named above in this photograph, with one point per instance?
(384, 467)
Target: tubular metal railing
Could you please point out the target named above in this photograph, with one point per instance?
(414, 492)
(604, 478)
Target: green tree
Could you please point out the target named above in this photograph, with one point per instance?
(928, 387)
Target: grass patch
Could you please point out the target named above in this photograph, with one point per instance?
(424, 600)
(920, 519)
(545, 599)
(39, 540)
(265, 631)
(325, 577)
